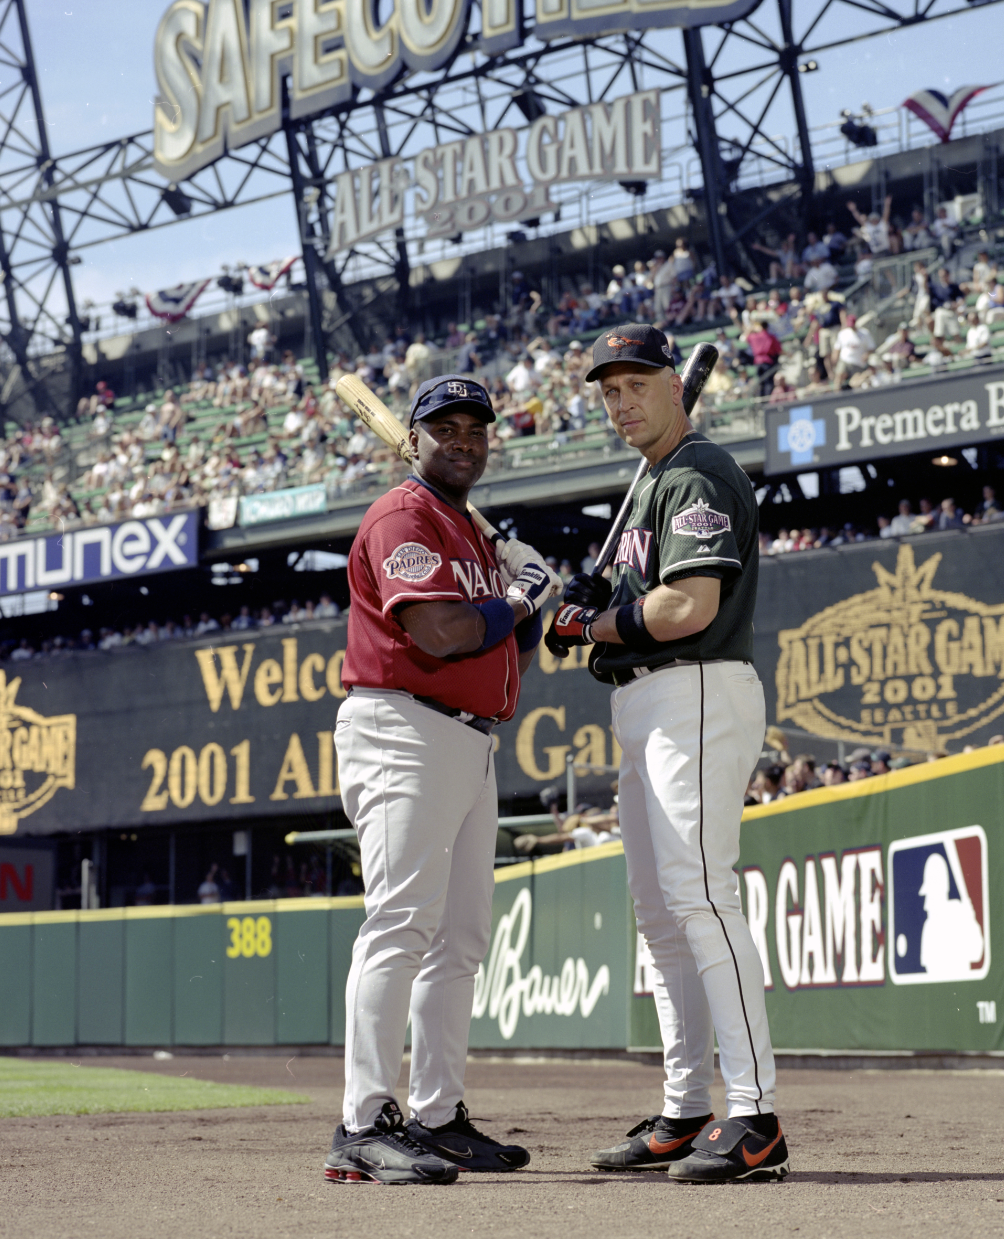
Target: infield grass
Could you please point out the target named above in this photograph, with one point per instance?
(29, 1088)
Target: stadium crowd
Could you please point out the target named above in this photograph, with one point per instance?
(150, 633)
(237, 430)
(784, 775)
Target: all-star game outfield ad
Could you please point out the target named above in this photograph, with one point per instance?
(501, 619)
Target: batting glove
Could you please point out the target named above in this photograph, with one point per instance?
(572, 626)
(533, 586)
(589, 591)
(513, 557)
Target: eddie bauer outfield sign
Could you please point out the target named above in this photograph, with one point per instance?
(960, 408)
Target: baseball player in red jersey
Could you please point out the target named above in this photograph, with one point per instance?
(442, 625)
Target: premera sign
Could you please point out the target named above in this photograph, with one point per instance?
(951, 411)
(220, 66)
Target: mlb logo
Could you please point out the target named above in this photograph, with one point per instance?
(939, 907)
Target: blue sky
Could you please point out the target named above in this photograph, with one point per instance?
(95, 62)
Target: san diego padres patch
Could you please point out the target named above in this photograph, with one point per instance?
(701, 521)
(411, 562)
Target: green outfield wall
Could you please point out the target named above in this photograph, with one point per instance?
(874, 907)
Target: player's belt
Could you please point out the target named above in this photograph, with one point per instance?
(484, 725)
(630, 674)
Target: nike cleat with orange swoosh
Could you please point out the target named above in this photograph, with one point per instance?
(652, 1145)
(730, 1149)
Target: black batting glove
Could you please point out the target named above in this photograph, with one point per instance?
(586, 590)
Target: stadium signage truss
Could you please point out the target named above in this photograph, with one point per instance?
(219, 73)
(464, 184)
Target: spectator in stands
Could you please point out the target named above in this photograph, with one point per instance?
(468, 360)
(950, 517)
(917, 233)
(454, 338)
(208, 891)
(781, 392)
(899, 348)
(902, 523)
(326, 609)
(23, 652)
(984, 274)
(835, 241)
(767, 784)
(684, 262)
(821, 276)
(243, 620)
(765, 348)
(850, 351)
(522, 379)
(416, 357)
(873, 229)
(814, 248)
(663, 279)
(864, 264)
(944, 230)
(989, 508)
(261, 341)
(728, 298)
(977, 338)
(785, 266)
(834, 773)
(206, 625)
(925, 518)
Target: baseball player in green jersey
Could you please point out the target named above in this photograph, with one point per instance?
(673, 632)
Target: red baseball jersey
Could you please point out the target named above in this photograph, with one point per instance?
(413, 547)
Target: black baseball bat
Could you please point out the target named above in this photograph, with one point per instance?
(700, 363)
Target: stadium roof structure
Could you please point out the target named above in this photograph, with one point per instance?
(736, 83)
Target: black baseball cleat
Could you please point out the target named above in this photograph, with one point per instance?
(652, 1145)
(460, 1141)
(384, 1153)
(731, 1149)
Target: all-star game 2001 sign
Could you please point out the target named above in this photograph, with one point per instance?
(37, 756)
(904, 664)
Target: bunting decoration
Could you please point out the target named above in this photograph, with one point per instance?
(939, 111)
(172, 304)
(268, 275)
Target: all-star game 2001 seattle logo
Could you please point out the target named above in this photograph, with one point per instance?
(37, 756)
(903, 664)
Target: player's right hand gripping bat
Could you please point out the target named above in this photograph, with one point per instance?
(372, 410)
(699, 365)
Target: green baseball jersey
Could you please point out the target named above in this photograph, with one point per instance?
(695, 514)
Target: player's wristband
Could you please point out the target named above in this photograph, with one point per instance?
(632, 631)
(500, 620)
(529, 632)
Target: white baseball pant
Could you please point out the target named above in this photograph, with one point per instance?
(419, 788)
(691, 735)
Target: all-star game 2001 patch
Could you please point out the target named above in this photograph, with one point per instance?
(701, 521)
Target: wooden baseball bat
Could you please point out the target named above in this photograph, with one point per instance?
(700, 363)
(372, 410)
